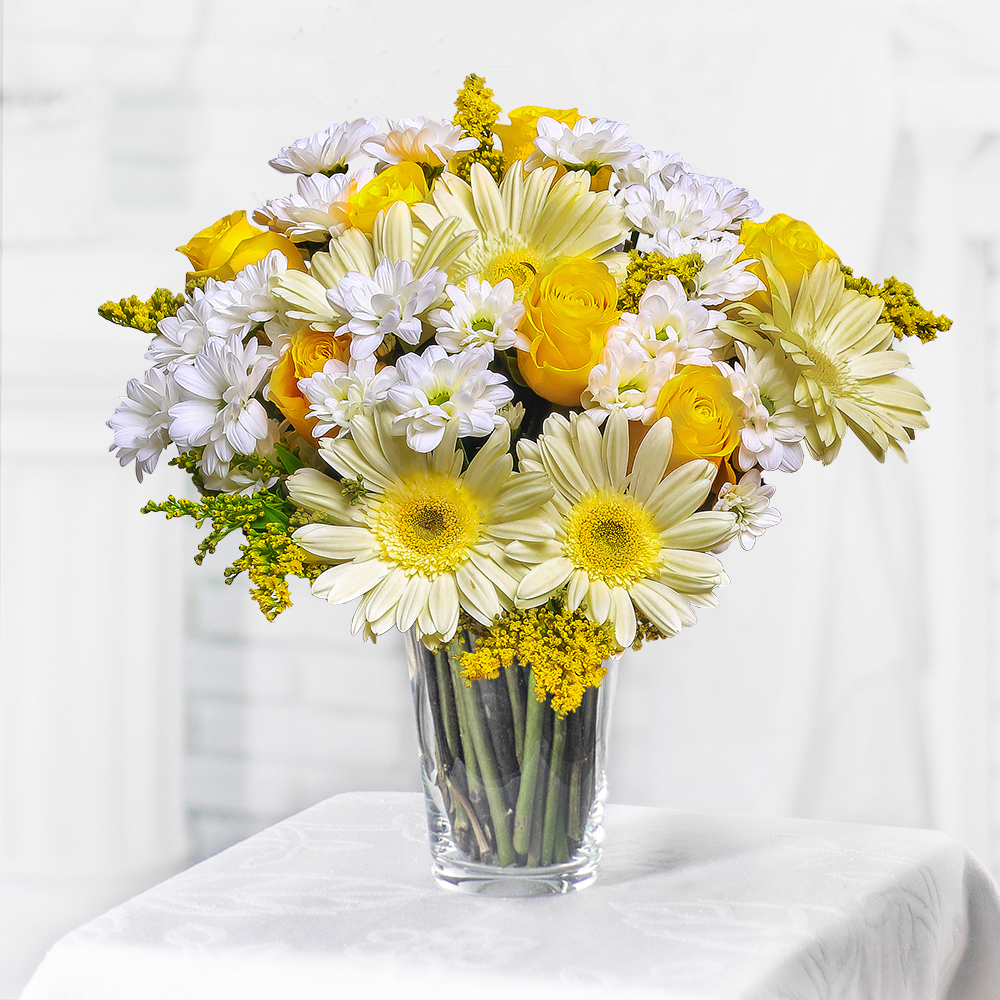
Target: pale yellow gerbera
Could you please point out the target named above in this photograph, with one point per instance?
(422, 539)
(527, 220)
(844, 362)
(621, 541)
(394, 237)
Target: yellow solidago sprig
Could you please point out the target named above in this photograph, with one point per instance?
(907, 316)
(142, 315)
(646, 267)
(476, 113)
(564, 649)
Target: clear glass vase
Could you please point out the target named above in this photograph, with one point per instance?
(515, 793)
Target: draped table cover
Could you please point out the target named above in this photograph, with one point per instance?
(339, 901)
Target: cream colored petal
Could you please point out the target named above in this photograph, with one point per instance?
(879, 363)
(412, 601)
(588, 452)
(599, 601)
(489, 204)
(615, 447)
(336, 542)
(392, 234)
(359, 456)
(343, 583)
(492, 464)
(623, 615)
(477, 594)
(442, 458)
(704, 530)
(386, 595)
(523, 494)
(536, 188)
(531, 552)
(443, 604)
(562, 466)
(445, 243)
(528, 529)
(579, 583)
(682, 607)
(681, 493)
(543, 581)
(315, 491)
(512, 193)
(689, 572)
(306, 299)
(651, 460)
(656, 608)
(351, 251)
(453, 196)
(498, 577)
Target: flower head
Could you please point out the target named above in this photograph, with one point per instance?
(179, 339)
(420, 140)
(320, 208)
(436, 389)
(342, 391)
(142, 422)
(585, 144)
(326, 152)
(481, 316)
(627, 379)
(519, 136)
(748, 501)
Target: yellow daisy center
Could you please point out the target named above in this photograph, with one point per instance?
(520, 265)
(426, 524)
(612, 538)
(827, 372)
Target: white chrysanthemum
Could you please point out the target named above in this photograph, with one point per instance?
(667, 167)
(180, 338)
(626, 379)
(249, 480)
(621, 541)
(688, 206)
(436, 388)
(318, 211)
(773, 426)
(420, 140)
(668, 324)
(722, 276)
(590, 144)
(248, 298)
(326, 151)
(844, 363)
(749, 503)
(526, 221)
(217, 409)
(142, 422)
(513, 413)
(392, 301)
(424, 540)
(481, 316)
(341, 392)
(734, 201)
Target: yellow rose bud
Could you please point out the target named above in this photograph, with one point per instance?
(704, 414)
(229, 245)
(518, 137)
(568, 309)
(306, 355)
(791, 246)
(401, 182)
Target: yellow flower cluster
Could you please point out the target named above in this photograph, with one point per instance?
(907, 316)
(141, 315)
(564, 649)
(646, 267)
(477, 113)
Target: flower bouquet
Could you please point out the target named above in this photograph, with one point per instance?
(512, 387)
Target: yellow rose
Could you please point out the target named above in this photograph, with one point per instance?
(704, 413)
(568, 310)
(229, 245)
(401, 182)
(306, 355)
(518, 137)
(791, 246)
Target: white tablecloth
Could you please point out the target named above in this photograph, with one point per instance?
(339, 902)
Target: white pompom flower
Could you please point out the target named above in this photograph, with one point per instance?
(320, 208)
(179, 339)
(626, 379)
(342, 391)
(436, 388)
(749, 502)
(248, 298)
(392, 301)
(587, 144)
(690, 207)
(420, 140)
(328, 151)
(722, 277)
(484, 315)
(142, 422)
(217, 409)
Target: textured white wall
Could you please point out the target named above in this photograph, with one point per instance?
(852, 670)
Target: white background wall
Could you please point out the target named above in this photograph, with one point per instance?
(851, 672)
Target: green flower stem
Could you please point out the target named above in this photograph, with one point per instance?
(574, 829)
(537, 818)
(472, 775)
(529, 770)
(449, 717)
(560, 849)
(491, 780)
(555, 789)
(517, 710)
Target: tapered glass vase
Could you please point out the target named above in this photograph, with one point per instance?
(515, 792)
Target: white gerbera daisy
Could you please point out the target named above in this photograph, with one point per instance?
(420, 140)
(179, 339)
(481, 316)
(627, 379)
(217, 409)
(668, 324)
(317, 211)
(526, 221)
(621, 541)
(749, 503)
(436, 389)
(587, 144)
(424, 540)
(722, 277)
(844, 362)
(142, 422)
(326, 152)
(341, 391)
(391, 301)
(773, 426)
